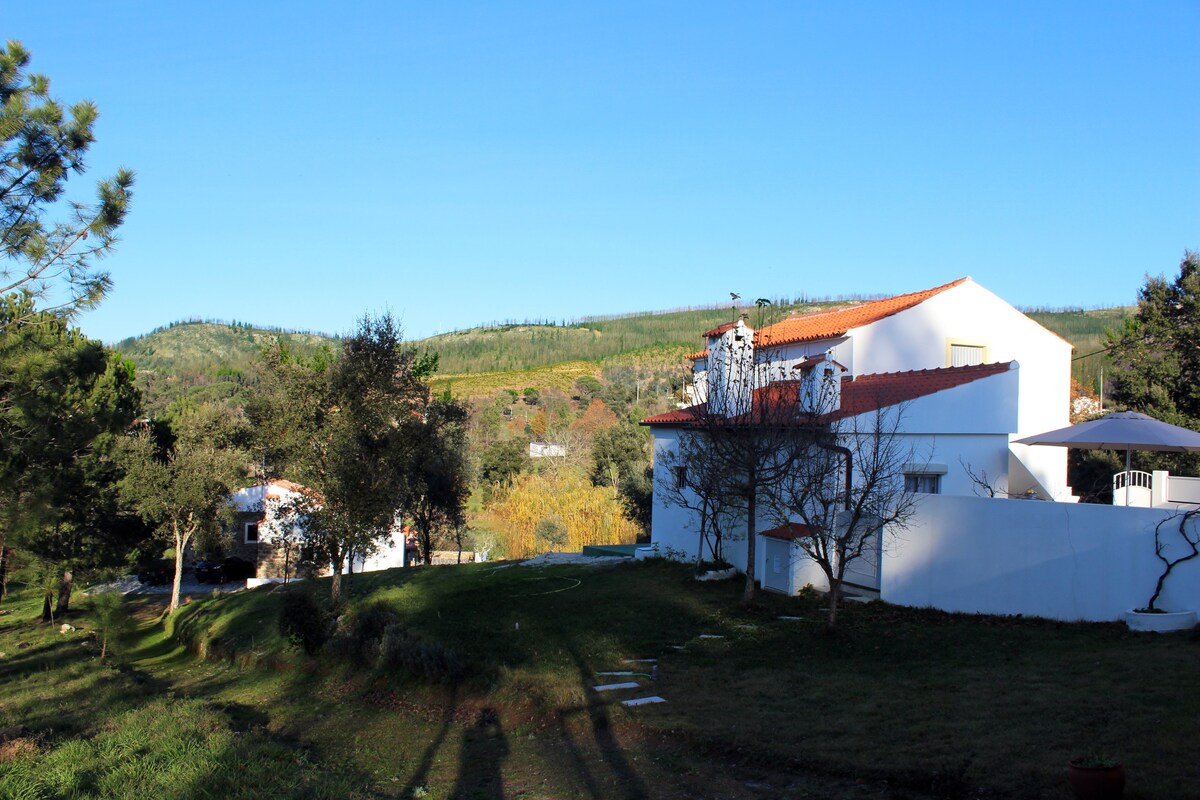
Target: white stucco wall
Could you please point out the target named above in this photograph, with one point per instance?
(389, 555)
(673, 528)
(1059, 560)
(917, 338)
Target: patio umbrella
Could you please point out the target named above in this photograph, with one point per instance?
(1121, 430)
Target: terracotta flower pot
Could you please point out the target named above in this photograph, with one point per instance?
(1097, 783)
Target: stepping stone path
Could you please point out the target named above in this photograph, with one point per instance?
(637, 701)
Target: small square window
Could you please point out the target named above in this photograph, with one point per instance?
(251, 532)
(680, 477)
(921, 483)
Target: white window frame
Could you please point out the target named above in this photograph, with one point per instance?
(951, 343)
(246, 533)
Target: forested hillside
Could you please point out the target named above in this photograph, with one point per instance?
(1086, 331)
(212, 360)
(205, 360)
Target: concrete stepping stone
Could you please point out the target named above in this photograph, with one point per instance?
(641, 701)
(711, 636)
(639, 660)
(616, 673)
(611, 686)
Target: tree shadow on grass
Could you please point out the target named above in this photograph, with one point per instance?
(421, 775)
(481, 760)
(605, 737)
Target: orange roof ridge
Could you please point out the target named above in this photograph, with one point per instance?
(717, 331)
(835, 322)
(993, 366)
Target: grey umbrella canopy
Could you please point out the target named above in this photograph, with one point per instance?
(1121, 430)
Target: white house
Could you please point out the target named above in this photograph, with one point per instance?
(971, 373)
(547, 450)
(269, 535)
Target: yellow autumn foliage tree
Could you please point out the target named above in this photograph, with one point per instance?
(564, 500)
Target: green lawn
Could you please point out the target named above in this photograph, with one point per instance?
(899, 703)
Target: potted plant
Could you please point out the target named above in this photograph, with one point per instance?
(1171, 554)
(1096, 776)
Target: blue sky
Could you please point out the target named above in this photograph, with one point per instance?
(301, 164)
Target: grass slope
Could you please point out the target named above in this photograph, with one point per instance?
(901, 703)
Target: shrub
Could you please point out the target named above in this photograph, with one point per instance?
(373, 636)
(433, 661)
(302, 621)
(357, 638)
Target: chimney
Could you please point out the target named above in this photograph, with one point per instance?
(731, 369)
(820, 384)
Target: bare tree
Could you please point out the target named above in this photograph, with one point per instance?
(1189, 538)
(740, 446)
(699, 490)
(848, 488)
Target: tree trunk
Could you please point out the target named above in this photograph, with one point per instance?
(5, 557)
(335, 586)
(64, 592)
(181, 540)
(751, 523)
(47, 610)
(835, 593)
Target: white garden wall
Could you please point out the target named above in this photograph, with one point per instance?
(1058, 560)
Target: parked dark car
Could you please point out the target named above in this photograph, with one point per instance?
(209, 572)
(230, 569)
(156, 573)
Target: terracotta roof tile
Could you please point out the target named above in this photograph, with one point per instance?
(788, 532)
(697, 356)
(864, 394)
(828, 324)
(717, 331)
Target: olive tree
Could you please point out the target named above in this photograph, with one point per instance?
(183, 487)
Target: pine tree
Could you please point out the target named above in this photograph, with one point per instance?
(1157, 356)
(51, 258)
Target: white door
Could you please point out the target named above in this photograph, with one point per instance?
(778, 577)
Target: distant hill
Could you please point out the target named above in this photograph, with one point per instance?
(205, 360)
(209, 360)
(1086, 331)
(528, 346)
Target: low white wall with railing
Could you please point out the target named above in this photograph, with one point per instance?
(1059, 560)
